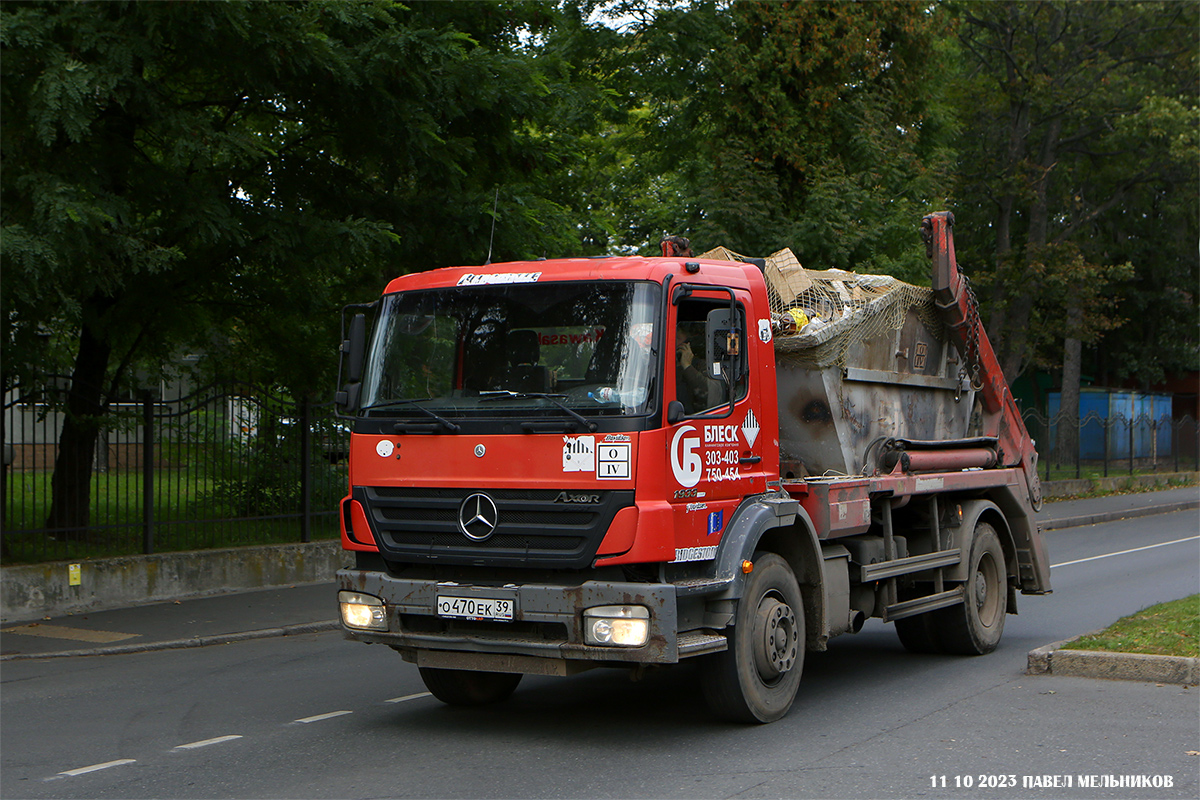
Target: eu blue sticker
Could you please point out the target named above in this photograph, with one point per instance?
(716, 521)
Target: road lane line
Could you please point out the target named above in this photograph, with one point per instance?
(320, 717)
(408, 697)
(1125, 552)
(71, 773)
(207, 742)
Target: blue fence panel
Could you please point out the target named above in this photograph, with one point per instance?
(1164, 420)
(1124, 417)
(1093, 415)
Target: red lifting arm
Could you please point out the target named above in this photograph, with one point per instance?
(957, 306)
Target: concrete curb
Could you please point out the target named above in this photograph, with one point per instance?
(1111, 516)
(1052, 659)
(177, 644)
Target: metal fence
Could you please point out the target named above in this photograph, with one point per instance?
(1114, 445)
(229, 466)
(221, 467)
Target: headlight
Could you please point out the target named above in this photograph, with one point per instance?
(623, 626)
(362, 611)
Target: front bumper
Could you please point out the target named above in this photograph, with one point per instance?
(547, 624)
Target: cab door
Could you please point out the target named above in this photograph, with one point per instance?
(714, 451)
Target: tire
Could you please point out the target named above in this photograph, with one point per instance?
(461, 687)
(756, 678)
(974, 628)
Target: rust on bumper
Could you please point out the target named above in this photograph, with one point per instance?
(560, 607)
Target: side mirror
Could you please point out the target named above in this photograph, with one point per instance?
(347, 398)
(675, 412)
(723, 346)
(353, 350)
(355, 346)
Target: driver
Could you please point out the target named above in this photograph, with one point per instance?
(691, 388)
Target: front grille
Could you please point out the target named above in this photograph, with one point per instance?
(518, 517)
(500, 541)
(420, 525)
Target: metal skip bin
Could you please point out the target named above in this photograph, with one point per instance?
(873, 363)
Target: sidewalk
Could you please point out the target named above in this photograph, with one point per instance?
(312, 608)
(1072, 513)
(226, 618)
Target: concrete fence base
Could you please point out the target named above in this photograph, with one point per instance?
(1116, 483)
(42, 590)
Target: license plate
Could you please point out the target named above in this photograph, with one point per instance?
(475, 608)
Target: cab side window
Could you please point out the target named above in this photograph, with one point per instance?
(694, 388)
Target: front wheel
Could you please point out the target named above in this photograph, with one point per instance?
(756, 679)
(462, 687)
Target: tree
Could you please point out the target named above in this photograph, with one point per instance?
(1072, 112)
(227, 174)
(760, 125)
(1051, 167)
(828, 134)
(1156, 228)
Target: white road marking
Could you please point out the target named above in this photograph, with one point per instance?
(1125, 552)
(71, 773)
(407, 697)
(207, 742)
(320, 717)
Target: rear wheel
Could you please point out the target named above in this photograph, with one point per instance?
(975, 627)
(461, 687)
(756, 679)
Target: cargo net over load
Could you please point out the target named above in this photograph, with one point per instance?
(818, 315)
(864, 367)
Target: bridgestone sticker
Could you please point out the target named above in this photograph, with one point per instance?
(695, 554)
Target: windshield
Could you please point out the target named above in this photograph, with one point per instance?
(544, 349)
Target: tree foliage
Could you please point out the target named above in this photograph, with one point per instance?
(219, 177)
(222, 176)
(1080, 122)
(810, 125)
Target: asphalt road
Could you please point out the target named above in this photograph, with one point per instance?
(316, 716)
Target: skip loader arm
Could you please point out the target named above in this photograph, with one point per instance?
(958, 309)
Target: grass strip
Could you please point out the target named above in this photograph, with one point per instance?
(1166, 629)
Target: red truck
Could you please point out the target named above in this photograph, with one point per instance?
(627, 462)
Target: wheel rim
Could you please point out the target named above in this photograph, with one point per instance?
(776, 640)
(987, 590)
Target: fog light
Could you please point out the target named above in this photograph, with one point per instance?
(622, 626)
(362, 611)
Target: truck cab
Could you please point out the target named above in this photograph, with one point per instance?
(544, 452)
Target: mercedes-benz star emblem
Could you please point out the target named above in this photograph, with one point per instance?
(477, 516)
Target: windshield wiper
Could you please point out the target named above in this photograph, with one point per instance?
(447, 424)
(553, 398)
